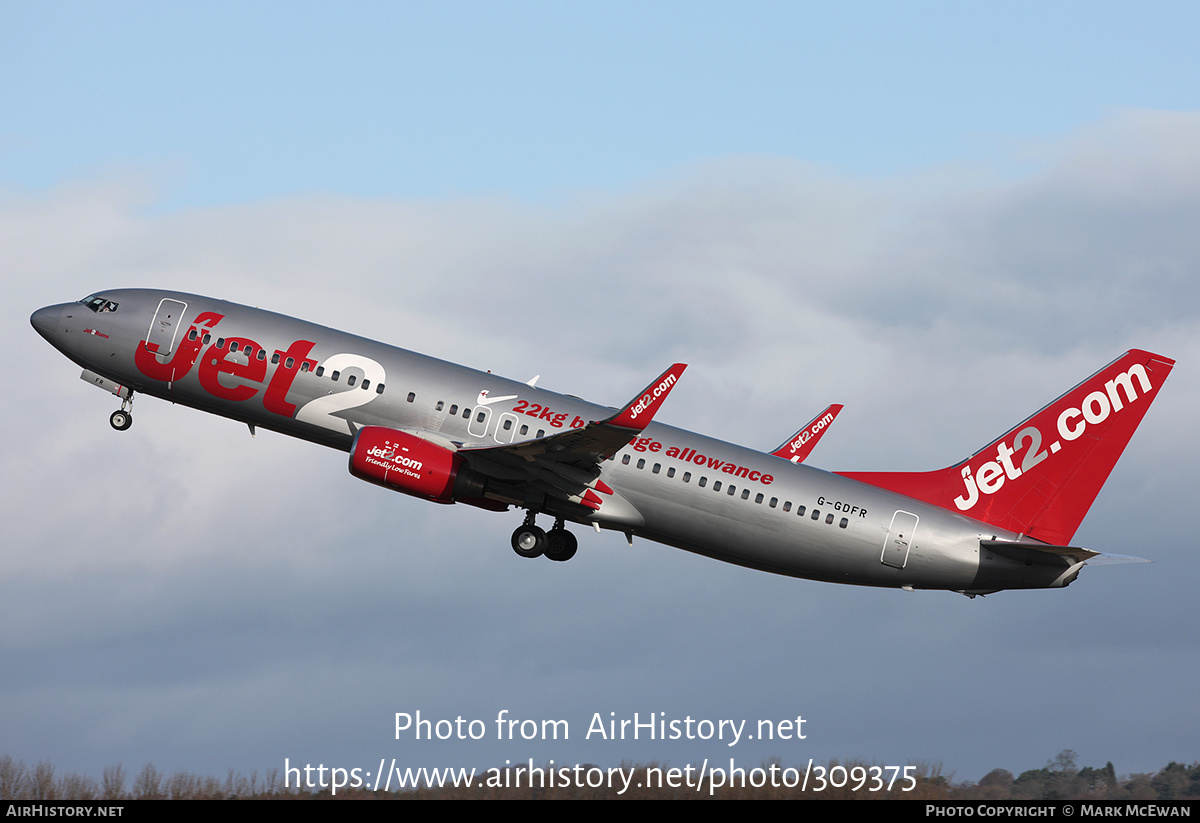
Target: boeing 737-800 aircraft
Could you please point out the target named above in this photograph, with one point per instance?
(1001, 519)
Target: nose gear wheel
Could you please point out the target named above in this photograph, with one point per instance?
(122, 419)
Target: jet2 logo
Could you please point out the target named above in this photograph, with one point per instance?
(387, 458)
(231, 371)
(1096, 407)
(812, 431)
(645, 401)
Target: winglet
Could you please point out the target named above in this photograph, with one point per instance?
(798, 446)
(638, 413)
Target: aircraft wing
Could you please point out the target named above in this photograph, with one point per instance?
(567, 465)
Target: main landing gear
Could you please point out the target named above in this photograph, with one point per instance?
(122, 418)
(531, 541)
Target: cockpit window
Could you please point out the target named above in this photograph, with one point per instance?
(99, 304)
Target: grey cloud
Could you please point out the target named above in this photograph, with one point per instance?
(200, 578)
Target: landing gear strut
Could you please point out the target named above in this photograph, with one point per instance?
(122, 419)
(531, 541)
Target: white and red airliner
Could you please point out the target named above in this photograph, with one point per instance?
(1001, 519)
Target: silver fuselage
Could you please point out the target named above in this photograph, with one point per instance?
(669, 485)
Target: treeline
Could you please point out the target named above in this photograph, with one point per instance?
(1059, 779)
(20, 782)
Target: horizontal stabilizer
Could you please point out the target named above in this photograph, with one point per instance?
(1038, 553)
(1115, 560)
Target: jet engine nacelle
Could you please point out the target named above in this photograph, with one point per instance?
(406, 463)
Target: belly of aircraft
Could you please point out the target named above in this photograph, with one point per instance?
(786, 545)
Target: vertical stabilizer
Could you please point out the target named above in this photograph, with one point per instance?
(1041, 477)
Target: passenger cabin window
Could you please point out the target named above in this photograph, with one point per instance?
(379, 389)
(411, 395)
(320, 369)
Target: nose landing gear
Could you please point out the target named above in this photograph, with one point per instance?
(531, 541)
(122, 419)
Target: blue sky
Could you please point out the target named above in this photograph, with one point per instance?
(939, 214)
(237, 102)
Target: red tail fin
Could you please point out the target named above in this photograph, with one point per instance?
(1040, 478)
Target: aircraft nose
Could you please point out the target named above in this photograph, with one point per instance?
(46, 321)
